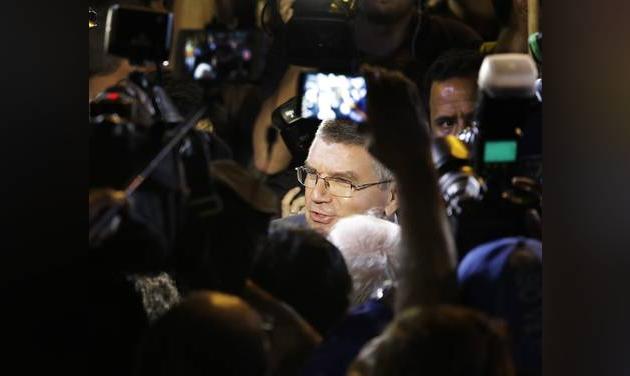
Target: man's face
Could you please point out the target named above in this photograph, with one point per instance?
(452, 105)
(386, 11)
(348, 162)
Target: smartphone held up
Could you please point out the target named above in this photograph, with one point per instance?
(328, 96)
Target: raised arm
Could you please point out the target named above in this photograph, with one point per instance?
(401, 140)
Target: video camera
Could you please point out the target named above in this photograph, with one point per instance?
(508, 113)
(490, 183)
(138, 34)
(128, 120)
(296, 131)
(139, 143)
(319, 34)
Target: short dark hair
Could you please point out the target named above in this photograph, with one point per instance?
(347, 132)
(303, 269)
(452, 63)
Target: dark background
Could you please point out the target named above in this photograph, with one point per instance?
(43, 160)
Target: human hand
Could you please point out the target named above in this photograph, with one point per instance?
(100, 201)
(293, 202)
(399, 131)
(533, 191)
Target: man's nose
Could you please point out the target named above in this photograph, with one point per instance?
(320, 192)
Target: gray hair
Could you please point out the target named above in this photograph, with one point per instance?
(370, 247)
(347, 132)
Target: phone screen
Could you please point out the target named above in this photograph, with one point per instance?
(327, 96)
(218, 55)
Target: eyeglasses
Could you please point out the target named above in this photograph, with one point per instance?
(335, 186)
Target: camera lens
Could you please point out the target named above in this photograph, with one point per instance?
(457, 181)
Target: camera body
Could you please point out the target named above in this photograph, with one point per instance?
(507, 115)
(476, 178)
(138, 34)
(457, 180)
(296, 131)
(319, 34)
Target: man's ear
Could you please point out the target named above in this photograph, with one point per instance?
(392, 201)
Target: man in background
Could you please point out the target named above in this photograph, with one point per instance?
(451, 94)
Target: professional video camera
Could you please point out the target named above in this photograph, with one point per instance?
(139, 143)
(297, 132)
(457, 180)
(491, 182)
(319, 34)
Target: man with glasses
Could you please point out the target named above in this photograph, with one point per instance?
(342, 178)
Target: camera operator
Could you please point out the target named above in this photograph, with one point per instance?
(501, 265)
(126, 266)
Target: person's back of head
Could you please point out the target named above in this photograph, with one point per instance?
(503, 279)
(303, 269)
(209, 333)
(370, 247)
(441, 340)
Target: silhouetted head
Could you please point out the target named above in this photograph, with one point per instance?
(442, 340)
(208, 333)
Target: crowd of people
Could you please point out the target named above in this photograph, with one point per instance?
(239, 256)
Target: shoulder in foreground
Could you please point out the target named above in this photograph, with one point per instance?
(292, 221)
